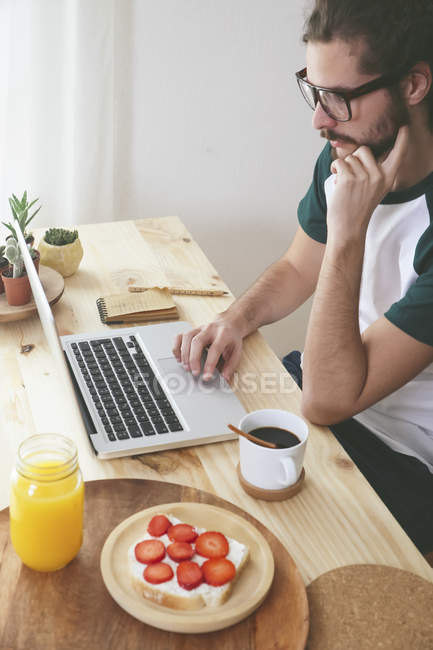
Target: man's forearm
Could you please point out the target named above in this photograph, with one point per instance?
(334, 365)
(335, 360)
(277, 292)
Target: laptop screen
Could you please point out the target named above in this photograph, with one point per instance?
(45, 314)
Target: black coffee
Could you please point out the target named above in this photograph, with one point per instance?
(280, 437)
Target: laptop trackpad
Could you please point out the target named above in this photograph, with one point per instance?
(181, 382)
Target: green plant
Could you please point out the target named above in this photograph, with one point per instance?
(60, 236)
(13, 255)
(20, 210)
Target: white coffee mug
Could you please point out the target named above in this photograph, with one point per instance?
(272, 469)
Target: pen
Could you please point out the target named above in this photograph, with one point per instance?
(181, 292)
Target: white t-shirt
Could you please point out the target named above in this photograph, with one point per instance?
(397, 282)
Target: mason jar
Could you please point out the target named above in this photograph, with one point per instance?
(46, 502)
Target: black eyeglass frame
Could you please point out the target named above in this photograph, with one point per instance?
(385, 81)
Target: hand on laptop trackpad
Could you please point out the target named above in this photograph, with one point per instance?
(180, 381)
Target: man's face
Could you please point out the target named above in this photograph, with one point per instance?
(376, 117)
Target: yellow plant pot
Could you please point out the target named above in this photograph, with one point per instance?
(64, 259)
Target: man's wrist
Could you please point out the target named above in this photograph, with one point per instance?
(339, 242)
(240, 319)
(343, 229)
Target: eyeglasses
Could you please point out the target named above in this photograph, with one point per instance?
(336, 103)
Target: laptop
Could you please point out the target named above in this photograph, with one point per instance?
(133, 395)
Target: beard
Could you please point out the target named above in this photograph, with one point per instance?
(380, 138)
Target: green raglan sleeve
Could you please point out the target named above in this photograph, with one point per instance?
(414, 312)
(312, 208)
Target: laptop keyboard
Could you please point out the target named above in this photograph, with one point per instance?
(125, 391)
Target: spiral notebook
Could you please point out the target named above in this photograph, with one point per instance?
(147, 306)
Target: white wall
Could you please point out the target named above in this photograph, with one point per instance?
(215, 130)
(143, 108)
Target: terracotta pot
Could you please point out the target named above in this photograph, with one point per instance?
(18, 291)
(3, 267)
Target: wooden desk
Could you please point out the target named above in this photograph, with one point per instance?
(336, 519)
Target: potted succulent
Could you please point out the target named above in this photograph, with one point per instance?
(61, 250)
(35, 255)
(15, 279)
(20, 210)
(4, 264)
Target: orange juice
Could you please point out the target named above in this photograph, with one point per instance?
(46, 504)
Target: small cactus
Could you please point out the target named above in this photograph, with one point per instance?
(13, 255)
(60, 236)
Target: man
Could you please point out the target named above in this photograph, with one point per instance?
(365, 246)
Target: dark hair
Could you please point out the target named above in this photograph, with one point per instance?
(397, 33)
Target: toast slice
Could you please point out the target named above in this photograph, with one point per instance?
(170, 593)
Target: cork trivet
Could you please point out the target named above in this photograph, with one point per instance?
(366, 607)
(271, 495)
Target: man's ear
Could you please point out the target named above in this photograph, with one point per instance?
(417, 83)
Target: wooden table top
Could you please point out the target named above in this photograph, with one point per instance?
(335, 520)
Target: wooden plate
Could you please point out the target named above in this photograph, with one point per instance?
(248, 592)
(53, 284)
(72, 608)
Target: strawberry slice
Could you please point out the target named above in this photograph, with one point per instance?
(182, 533)
(180, 551)
(158, 525)
(189, 575)
(212, 544)
(149, 551)
(218, 571)
(157, 573)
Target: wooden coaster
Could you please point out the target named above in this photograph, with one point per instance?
(368, 606)
(271, 495)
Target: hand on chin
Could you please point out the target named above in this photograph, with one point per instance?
(343, 149)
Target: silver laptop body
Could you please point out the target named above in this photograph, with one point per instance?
(187, 410)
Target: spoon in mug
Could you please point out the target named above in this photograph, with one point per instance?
(248, 436)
